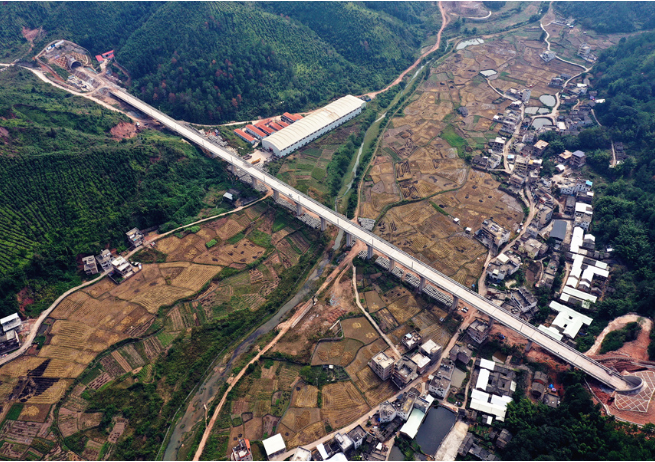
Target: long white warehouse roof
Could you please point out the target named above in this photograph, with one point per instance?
(313, 122)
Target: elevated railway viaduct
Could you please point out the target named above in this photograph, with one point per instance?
(427, 275)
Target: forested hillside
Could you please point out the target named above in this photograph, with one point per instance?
(67, 188)
(576, 430)
(624, 209)
(211, 62)
(610, 17)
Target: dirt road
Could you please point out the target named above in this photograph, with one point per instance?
(283, 329)
(370, 319)
(444, 22)
(636, 349)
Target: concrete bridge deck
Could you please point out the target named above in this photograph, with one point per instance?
(605, 375)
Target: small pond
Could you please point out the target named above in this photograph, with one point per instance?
(541, 122)
(543, 110)
(465, 43)
(531, 110)
(499, 357)
(548, 100)
(435, 427)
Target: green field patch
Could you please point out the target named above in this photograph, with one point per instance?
(312, 152)
(213, 242)
(282, 219)
(318, 174)
(15, 411)
(453, 139)
(165, 338)
(236, 238)
(260, 238)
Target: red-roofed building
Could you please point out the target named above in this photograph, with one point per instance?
(244, 136)
(290, 118)
(275, 126)
(100, 58)
(256, 132)
(108, 55)
(264, 128)
(283, 123)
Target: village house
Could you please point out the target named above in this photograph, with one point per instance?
(460, 353)
(505, 265)
(382, 365)
(90, 266)
(478, 331)
(404, 371)
(104, 260)
(539, 148)
(491, 234)
(524, 300)
(578, 159)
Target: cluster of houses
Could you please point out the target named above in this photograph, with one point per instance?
(342, 446)
(411, 365)
(252, 133)
(118, 267)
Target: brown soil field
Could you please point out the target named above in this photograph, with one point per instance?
(287, 375)
(254, 429)
(386, 320)
(342, 404)
(359, 329)
(298, 418)
(307, 435)
(304, 396)
(339, 353)
(35, 413)
(404, 308)
(373, 301)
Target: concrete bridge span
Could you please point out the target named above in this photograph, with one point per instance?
(607, 376)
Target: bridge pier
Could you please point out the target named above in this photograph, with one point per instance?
(369, 251)
(323, 224)
(253, 181)
(276, 195)
(421, 284)
(349, 240)
(298, 209)
(392, 264)
(528, 346)
(453, 307)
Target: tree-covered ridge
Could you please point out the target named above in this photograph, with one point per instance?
(624, 208)
(219, 61)
(229, 61)
(67, 188)
(610, 17)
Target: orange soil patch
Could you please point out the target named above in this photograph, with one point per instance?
(123, 130)
(637, 349)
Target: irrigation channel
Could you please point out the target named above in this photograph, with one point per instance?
(209, 388)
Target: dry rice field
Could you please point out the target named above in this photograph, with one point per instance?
(359, 329)
(373, 301)
(342, 404)
(339, 353)
(305, 397)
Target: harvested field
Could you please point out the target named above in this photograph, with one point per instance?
(270, 422)
(373, 301)
(35, 413)
(342, 404)
(133, 358)
(386, 320)
(307, 435)
(304, 396)
(20, 366)
(339, 353)
(298, 418)
(381, 393)
(112, 367)
(254, 429)
(121, 361)
(404, 308)
(359, 329)
(53, 394)
(100, 381)
(90, 420)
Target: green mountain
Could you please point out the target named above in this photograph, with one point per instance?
(67, 188)
(610, 17)
(210, 62)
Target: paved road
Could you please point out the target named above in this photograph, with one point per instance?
(605, 375)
